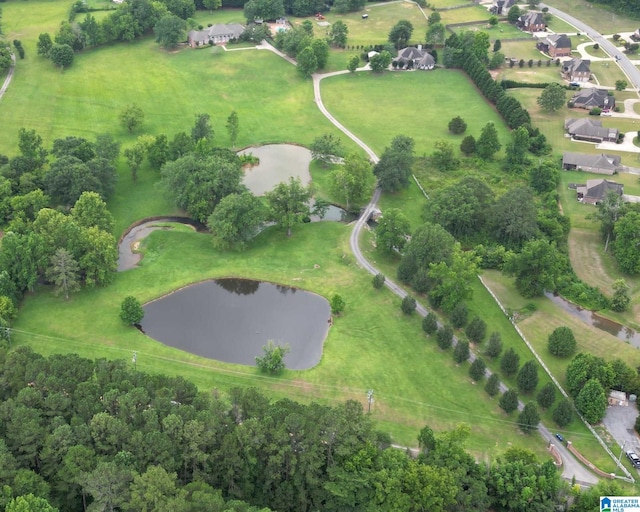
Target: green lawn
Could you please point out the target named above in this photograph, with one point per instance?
(439, 4)
(594, 15)
(501, 31)
(560, 26)
(522, 50)
(607, 73)
(599, 53)
(471, 13)
(534, 74)
(375, 29)
(379, 107)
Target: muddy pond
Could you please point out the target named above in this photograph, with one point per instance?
(231, 320)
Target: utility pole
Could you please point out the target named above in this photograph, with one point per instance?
(370, 399)
(620, 458)
(135, 360)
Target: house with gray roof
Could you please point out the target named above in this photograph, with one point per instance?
(598, 164)
(577, 70)
(595, 191)
(502, 6)
(590, 130)
(531, 22)
(555, 45)
(416, 58)
(215, 34)
(591, 98)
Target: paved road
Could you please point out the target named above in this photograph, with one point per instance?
(627, 67)
(572, 468)
(9, 76)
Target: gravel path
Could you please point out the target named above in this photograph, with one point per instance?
(9, 76)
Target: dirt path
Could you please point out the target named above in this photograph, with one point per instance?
(9, 76)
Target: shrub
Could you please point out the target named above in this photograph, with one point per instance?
(562, 342)
(563, 413)
(477, 369)
(476, 330)
(494, 347)
(596, 46)
(457, 125)
(408, 305)
(337, 304)
(131, 312)
(595, 111)
(459, 315)
(493, 385)
(378, 281)
(461, 351)
(509, 401)
(430, 323)
(444, 337)
(273, 359)
(547, 395)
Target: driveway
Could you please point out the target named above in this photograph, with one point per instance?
(619, 421)
(627, 144)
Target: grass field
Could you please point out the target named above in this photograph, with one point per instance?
(607, 73)
(471, 13)
(534, 74)
(594, 15)
(366, 103)
(560, 26)
(522, 50)
(501, 31)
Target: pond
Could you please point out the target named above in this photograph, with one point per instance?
(595, 320)
(278, 162)
(231, 320)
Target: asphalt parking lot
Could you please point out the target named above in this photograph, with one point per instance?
(619, 421)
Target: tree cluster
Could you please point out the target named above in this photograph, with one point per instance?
(299, 43)
(76, 433)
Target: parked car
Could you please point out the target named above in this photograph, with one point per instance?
(634, 459)
(574, 84)
(560, 438)
(605, 113)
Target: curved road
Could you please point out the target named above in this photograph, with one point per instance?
(571, 467)
(628, 68)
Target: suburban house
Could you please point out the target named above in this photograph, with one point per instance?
(591, 98)
(531, 22)
(215, 34)
(598, 164)
(577, 70)
(596, 190)
(419, 58)
(555, 45)
(502, 6)
(590, 130)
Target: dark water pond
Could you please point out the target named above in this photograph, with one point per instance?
(591, 318)
(127, 257)
(232, 319)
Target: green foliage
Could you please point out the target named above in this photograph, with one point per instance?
(233, 127)
(476, 330)
(529, 418)
(131, 117)
(443, 158)
(468, 145)
(236, 220)
(338, 34)
(272, 360)
(461, 351)
(620, 300)
(337, 304)
(430, 323)
(553, 97)
(492, 387)
(488, 144)
(263, 9)
(444, 337)
(544, 177)
(452, 282)
(592, 401)
(378, 281)
(64, 273)
(352, 181)
(457, 126)
(44, 44)
(289, 203)
(400, 34)
(528, 377)
(509, 401)
(353, 63)
(307, 62)
(61, 55)
(392, 231)
(562, 342)
(547, 395)
(510, 362)
(131, 311)
(29, 503)
(621, 85)
(494, 347)
(170, 30)
(513, 14)
(563, 413)
(459, 315)
(408, 305)
(378, 63)
(537, 268)
(586, 366)
(321, 51)
(394, 168)
(477, 369)
(636, 425)
(627, 233)
(497, 45)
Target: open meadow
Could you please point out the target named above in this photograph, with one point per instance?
(596, 16)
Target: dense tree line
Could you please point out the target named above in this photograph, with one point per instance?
(628, 8)
(80, 434)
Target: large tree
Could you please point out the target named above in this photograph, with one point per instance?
(537, 268)
(338, 34)
(307, 61)
(561, 342)
(61, 55)
(381, 61)
(400, 34)
(198, 183)
(514, 217)
(170, 30)
(394, 168)
(325, 148)
(517, 149)
(233, 125)
(528, 377)
(289, 203)
(529, 418)
(625, 246)
(553, 97)
(592, 401)
(352, 181)
(236, 219)
(67, 178)
(452, 283)
(488, 143)
(392, 231)
(263, 9)
(64, 273)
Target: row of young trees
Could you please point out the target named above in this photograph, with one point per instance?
(78, 434)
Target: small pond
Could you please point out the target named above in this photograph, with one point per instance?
(595, 320)
(232, 319)
(278, 162)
